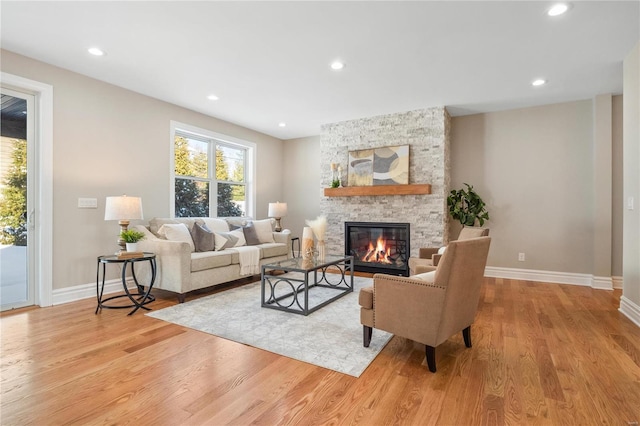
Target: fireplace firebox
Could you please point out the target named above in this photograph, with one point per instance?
(378, 247)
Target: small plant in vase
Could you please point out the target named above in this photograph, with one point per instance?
(131, 238)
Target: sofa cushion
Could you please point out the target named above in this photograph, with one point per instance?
(237, 222)
(203, 237)
(156, 223)
(177, 232)
(210, 259)
(215, 224)
(273, 250)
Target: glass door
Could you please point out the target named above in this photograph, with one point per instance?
(17, 207)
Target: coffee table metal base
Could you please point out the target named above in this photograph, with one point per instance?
(284, 291)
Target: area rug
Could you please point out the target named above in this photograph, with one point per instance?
(330, 337)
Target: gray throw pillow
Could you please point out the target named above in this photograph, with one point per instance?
(203, 237)
(251, 234)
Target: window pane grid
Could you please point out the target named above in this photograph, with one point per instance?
(209, 174)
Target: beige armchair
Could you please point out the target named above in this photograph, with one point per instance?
(430, 256)
(432, 306)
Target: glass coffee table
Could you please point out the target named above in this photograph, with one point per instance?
(302, 286)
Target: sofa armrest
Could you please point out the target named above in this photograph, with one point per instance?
(427, 252)
(283, 237)
(408, 307)
(173, 260)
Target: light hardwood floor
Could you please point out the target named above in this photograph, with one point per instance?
(542, 354)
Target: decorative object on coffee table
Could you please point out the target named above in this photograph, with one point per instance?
(319, 228)
(307, 242)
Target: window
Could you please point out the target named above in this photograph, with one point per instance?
(212, 174)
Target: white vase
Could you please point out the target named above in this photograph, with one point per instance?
(321, 251)
(132, 247)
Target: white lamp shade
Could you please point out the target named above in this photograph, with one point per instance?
(123, 208)
(277, 209)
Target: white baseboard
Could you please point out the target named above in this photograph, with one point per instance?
(587, 280)
(541, 276)
(617, 282)
(630, 310)
(602, 283)
(86, 291)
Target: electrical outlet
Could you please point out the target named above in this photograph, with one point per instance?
(521, 257)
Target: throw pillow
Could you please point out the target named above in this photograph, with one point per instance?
(203, 237)
(177, 232)
(225, 240)
(264, 230)
(251, 234)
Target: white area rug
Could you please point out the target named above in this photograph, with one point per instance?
(331, 337)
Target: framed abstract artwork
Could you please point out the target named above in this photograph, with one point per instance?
(379, 166)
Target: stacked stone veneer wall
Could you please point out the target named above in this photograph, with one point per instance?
(426, 131)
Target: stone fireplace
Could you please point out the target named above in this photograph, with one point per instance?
(426, 131)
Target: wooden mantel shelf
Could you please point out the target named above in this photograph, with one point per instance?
(350, 191)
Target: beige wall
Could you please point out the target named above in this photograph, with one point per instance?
(301, 179)
(111, 141)
(534, 168)
(617, 206)
(631, 218)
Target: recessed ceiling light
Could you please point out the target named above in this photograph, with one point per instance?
(538, 82)
(96, 51)
(337, 65)
(282, 124)
(213, 97)
(558, 9)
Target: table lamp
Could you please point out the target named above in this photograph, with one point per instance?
(277, 211)
(123, 209)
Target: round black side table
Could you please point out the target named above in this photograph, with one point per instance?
(139, 298)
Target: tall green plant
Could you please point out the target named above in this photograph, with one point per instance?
(467, 207)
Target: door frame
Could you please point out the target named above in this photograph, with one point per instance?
(43, 173)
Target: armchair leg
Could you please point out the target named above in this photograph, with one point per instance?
(366, 334)
(431, 358)
(466, 333)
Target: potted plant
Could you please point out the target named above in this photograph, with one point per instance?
(467, 207)
(131, 238)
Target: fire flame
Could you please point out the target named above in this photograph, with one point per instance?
(380, 253)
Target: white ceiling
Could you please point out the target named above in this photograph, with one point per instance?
(269, 61)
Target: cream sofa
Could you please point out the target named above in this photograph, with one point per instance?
(181, 269)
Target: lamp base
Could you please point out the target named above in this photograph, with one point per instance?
(124, 225)
(278, 227)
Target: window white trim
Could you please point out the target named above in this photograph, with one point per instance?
(250, 163)
(44, 178)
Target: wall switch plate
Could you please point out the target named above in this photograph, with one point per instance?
(521, 257)
(87, 203)
(630, 201)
